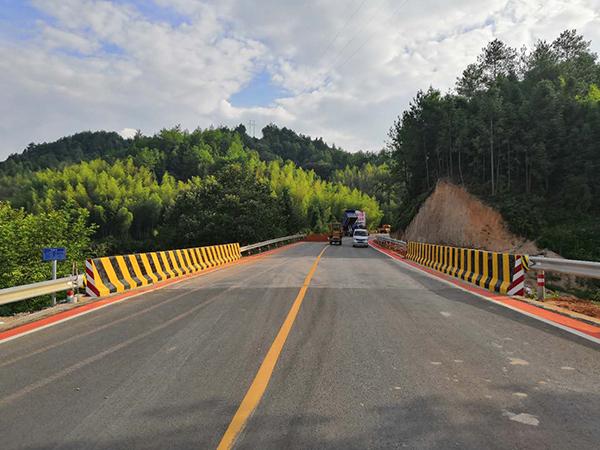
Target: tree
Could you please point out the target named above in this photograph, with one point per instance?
(231, 206)
(524, 140)
(22, 237)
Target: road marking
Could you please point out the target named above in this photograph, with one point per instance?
(518, 362)
(525, 418)
(99, 328)
(445, 314)
(63, 316)
(589, 332)
(98, 356)
(263, 376)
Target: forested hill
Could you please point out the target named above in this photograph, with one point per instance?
(133, 191)
(99, 194)
(307, 152)
(522, 131)
(276, 143)
(83, 146)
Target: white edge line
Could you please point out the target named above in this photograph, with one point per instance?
(83, 313)
(533, 316)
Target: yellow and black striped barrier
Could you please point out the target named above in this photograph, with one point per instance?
(112, 274)
(490, 270)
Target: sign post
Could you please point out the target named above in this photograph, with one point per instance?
(54, 254)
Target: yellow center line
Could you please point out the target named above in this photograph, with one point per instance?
(263, 376)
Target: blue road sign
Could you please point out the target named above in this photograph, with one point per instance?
(54, 253)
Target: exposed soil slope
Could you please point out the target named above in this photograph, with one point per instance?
(452, 216)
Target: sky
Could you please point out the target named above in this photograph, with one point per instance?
(341, 70)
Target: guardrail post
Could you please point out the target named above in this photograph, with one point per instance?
(541, 285)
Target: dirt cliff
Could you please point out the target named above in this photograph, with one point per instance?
(452, 216)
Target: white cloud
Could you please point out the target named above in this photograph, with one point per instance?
(128, 133)
(106, 65)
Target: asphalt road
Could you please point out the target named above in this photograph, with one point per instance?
(380, 356)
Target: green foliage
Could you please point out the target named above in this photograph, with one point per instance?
(185, 154)
(22, 237)
(253, 201)
(317, 201)
(376, 181)
(174, 189)
(68, 150)
(124, 200)
(521, 132)
(284, 144)
(228, 207)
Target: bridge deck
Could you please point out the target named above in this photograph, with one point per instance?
(379, 356)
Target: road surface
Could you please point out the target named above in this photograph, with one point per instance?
(379, 356)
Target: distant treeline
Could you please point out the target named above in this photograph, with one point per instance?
(182, 156)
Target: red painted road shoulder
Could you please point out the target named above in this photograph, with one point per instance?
(566, 323)
(63, 316)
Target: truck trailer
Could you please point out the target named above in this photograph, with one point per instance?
(353, 219)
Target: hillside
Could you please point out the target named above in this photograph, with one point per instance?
(175, 189)
(521, 132)
(130, 189)
(453, 216)
(276, 144)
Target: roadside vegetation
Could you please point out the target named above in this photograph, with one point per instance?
(521, 131)
(98, 194)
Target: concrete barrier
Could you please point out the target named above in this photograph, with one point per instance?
(113, 274)
(499, 272)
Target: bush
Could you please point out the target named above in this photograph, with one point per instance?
(22, 237)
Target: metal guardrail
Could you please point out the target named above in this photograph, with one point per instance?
(18, 293)
(270, 242)
(390, 240)
(584, 269)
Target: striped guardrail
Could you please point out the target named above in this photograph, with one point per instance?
(112, 274)
(499, 272)
(488, 269)
(119, 273)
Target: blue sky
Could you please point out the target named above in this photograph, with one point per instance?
(341, 69)
(18, 19)
(260, 91)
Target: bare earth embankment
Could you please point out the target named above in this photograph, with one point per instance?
(453, 216)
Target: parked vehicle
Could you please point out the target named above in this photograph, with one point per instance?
(385, 229)
(360, 238)
(353, 219)
(335, 233)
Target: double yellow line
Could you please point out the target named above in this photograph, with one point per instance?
(263, 376)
